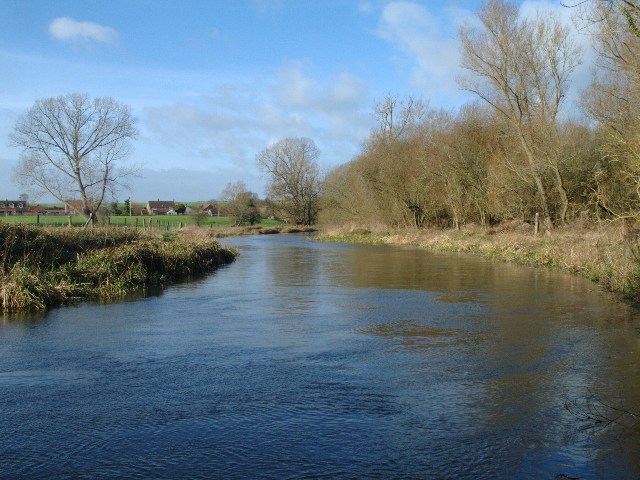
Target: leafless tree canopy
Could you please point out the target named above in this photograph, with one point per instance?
(240, 203)
(512, 154)
(295, 183)
(73, 146)
(522, 68)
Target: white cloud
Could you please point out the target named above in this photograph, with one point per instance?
(186, 184)
(582, 75)
(428, 40)
(69, 30)
(365, 7)
(294, 88)
(225, 129)
(420, 35)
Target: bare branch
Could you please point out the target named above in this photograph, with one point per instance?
(73, 145)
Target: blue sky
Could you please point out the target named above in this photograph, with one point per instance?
(214, 82)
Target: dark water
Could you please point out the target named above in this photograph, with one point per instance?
(306, 360)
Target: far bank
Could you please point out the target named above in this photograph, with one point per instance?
(608, 255)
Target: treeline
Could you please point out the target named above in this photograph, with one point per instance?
(515, 152)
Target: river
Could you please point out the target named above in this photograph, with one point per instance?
(306, 360)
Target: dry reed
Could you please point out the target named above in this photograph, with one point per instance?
(42, 268)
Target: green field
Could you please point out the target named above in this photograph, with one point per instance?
(172, 221)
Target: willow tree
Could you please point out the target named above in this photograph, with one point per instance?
(240, 203)
(521, 67)
(295, 182)
(613, 101)
(74, 146)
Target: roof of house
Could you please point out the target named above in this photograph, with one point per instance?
(161, 204)
(76, 205)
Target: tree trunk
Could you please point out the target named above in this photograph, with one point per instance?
(542, 193)
(564, 199)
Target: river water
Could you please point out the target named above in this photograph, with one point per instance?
(305, 360)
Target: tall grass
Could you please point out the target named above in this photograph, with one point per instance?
(48, 267)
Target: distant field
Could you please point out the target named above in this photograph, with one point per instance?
(173, 221)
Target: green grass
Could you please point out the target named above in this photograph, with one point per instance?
(172, 221)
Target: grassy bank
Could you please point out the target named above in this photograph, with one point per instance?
(43, 267)
(257, 230)
(608, 254)
(170, 221)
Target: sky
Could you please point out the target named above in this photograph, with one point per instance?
(212, 83)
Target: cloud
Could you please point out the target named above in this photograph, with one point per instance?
(365, 7)
(186, 184)
(582, 75)
(225, 129)
(428, 40)
(69, 30)
(433, 51)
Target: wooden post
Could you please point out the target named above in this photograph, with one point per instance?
(136, 222)
(69, 219)
(37, 219)
(125, 221)
(536, 225)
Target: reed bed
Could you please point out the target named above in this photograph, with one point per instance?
(42, 268)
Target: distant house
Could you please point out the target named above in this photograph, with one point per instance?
(55, 211)
(161, 207)
(13, 207)
(36, 210)
(73, 207)
(211, 209)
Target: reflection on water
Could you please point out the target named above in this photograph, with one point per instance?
(305, 360)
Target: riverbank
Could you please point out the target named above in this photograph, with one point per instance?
(223, 232)
(608, 255)
(48, 267)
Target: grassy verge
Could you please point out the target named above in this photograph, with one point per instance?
(607, 255)
(44, 267)
(258, 230)
(171, 221)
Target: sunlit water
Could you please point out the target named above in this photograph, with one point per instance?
(307, 360)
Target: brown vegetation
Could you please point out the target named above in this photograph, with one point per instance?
(514, 154)
(42, 267)
(515, 158)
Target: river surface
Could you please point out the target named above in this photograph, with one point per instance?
(305, 360)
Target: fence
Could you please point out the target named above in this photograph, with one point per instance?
(150, 223)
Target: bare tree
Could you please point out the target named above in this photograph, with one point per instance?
(73, 146)
(397, 118)
(295, 183)
(521, 68)
(613, 101)
(240, 203)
